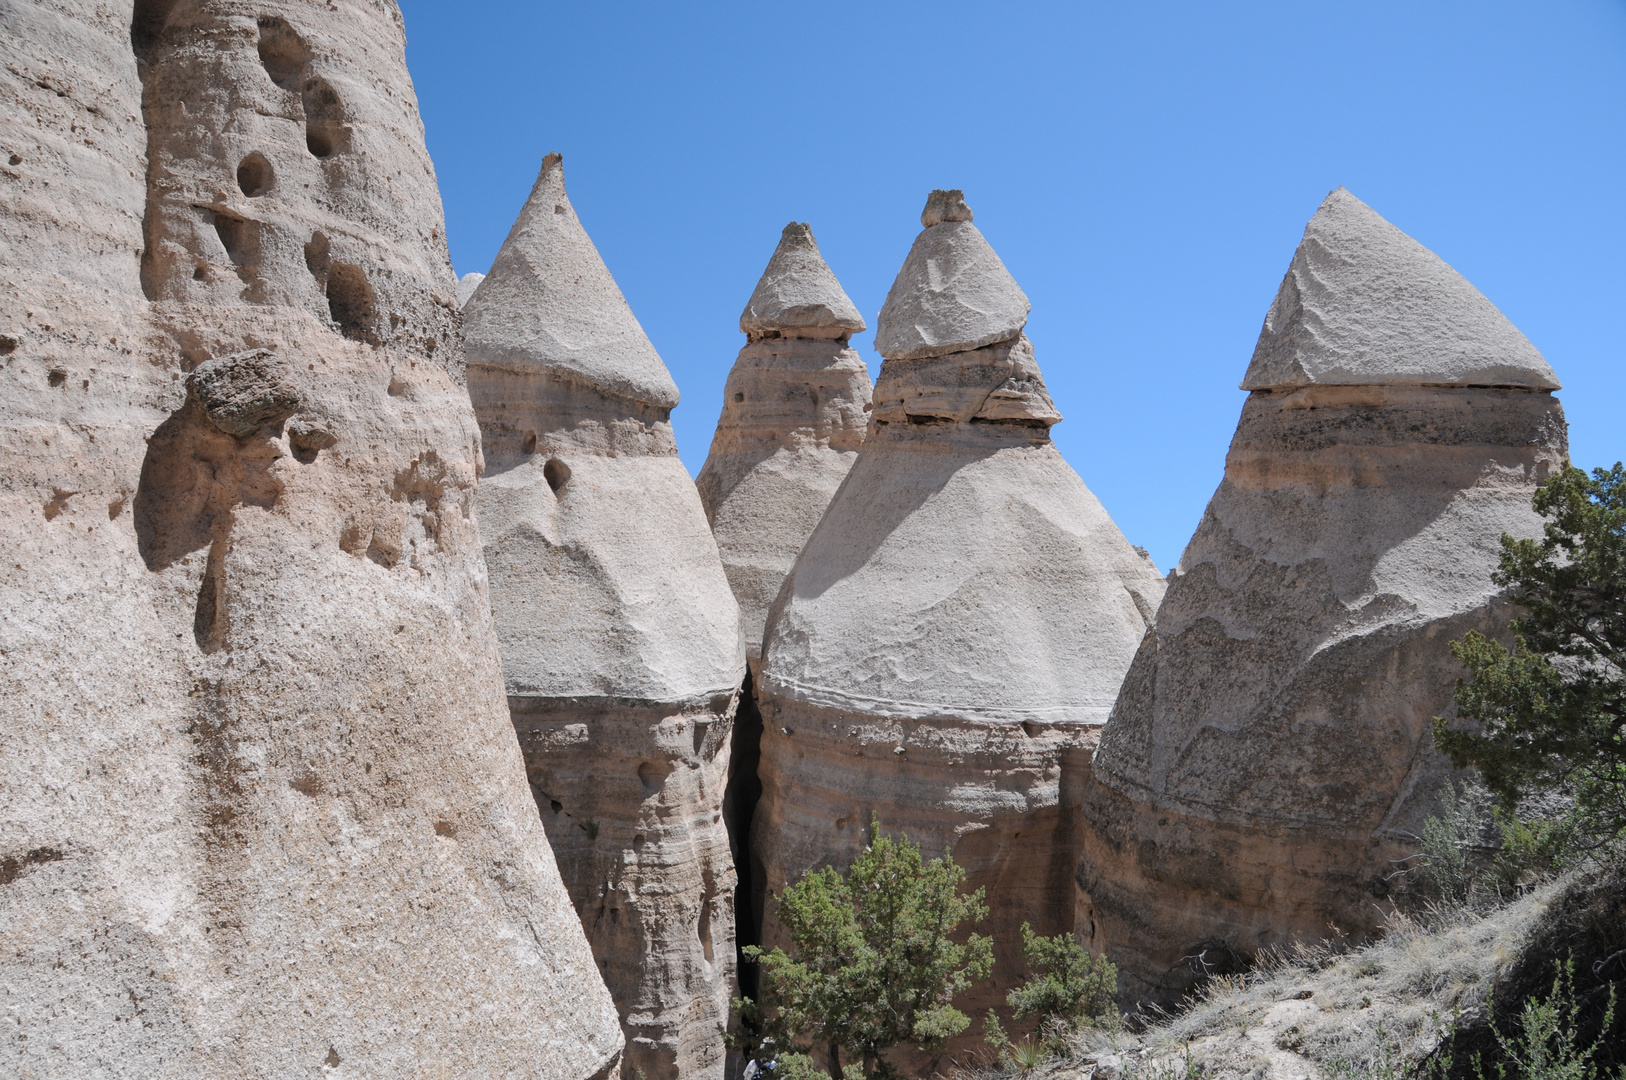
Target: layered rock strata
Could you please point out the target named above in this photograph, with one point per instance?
(1270, 760)
(261, 808)
(954, 632)
(620, 638)
(795, 409)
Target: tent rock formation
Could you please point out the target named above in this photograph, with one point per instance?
(1271, 752)
(954, 632)
(620, 639)
(261, 798)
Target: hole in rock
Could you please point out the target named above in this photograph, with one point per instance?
(740, 798)
(652, 774)
(200, 274)
(332, 1059)
(282, 51)
(445, 828)
(352, 302)
(638, 842)
(703, 931)
(699, 736)
(325, 132)
(147, 24)
(8, 344)
(57, 377)
(254, 175)
(557, 474)
(240, 238)
(739, 397)
(16, 159)
(557, 806)
(529, 445)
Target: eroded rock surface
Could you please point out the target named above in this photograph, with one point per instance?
(795, 408)
(1271, 752)
(954, 632)
(620, 639)
(261, 807)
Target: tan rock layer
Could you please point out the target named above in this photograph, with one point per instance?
(630, 793)
(1271, 753)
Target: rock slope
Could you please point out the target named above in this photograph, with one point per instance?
(954, 632)
(261, 808)
(1270, 753)
(620, 638)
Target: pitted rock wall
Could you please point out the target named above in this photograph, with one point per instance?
(260, 803)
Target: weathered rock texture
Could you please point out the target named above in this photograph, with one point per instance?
(795, 408)
(1270, 753)
(955, 630)
(261, 809)
(620, 639)
(466, 286)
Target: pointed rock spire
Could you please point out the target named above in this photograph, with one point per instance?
(798, 296)
(953, 293)
(1364, 304)
(550, 304)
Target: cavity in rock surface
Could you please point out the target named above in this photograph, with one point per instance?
(953, 632)
(620, 638)
(1270, 756)
(261, 805)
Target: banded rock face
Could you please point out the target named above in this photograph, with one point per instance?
(1271, 751)
(795, 408)
(620, 639)
(954, 632)
(261, 809)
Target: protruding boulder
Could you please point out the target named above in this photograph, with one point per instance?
(953, 294)
(953, 633)
(1364, 304)
(1270, 757)
(795, 408)
(620, 638)
(262, 810)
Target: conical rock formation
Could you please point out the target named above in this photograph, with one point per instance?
(262, 812)
(954, 631)
(795, 408)
(1270, 755)
(620, 639)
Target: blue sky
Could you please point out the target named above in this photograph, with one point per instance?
(1145, 170)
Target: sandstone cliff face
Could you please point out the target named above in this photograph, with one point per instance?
(261, 809)
(795, 409)
(955, 630)
(1271, 752)
(620, 639)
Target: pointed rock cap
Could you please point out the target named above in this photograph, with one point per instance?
(798, 295)
(550, 304)
(1364, 304)
(466, 286)
(953, 293)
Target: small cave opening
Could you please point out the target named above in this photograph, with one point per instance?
(147, 24)
(556, 473)
(282, 51)
(740, 798)
(255, 176)
(352, 302)
(325, 130)
(240, 238)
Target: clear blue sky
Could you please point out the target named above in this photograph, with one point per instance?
(1145, 170)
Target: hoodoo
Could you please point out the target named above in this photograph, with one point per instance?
(956, 627)
(620, 638)
(262, 812)
(1271, 753)
(795, 409)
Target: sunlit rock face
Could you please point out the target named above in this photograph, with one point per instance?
(1271, 756)
(953, 634)
(620, 638)
(261, 807)
(795, 409)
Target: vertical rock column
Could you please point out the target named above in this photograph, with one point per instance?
(1271, 755)
(954, 631)
(261, 808)
(620, 638)
(795, 409)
